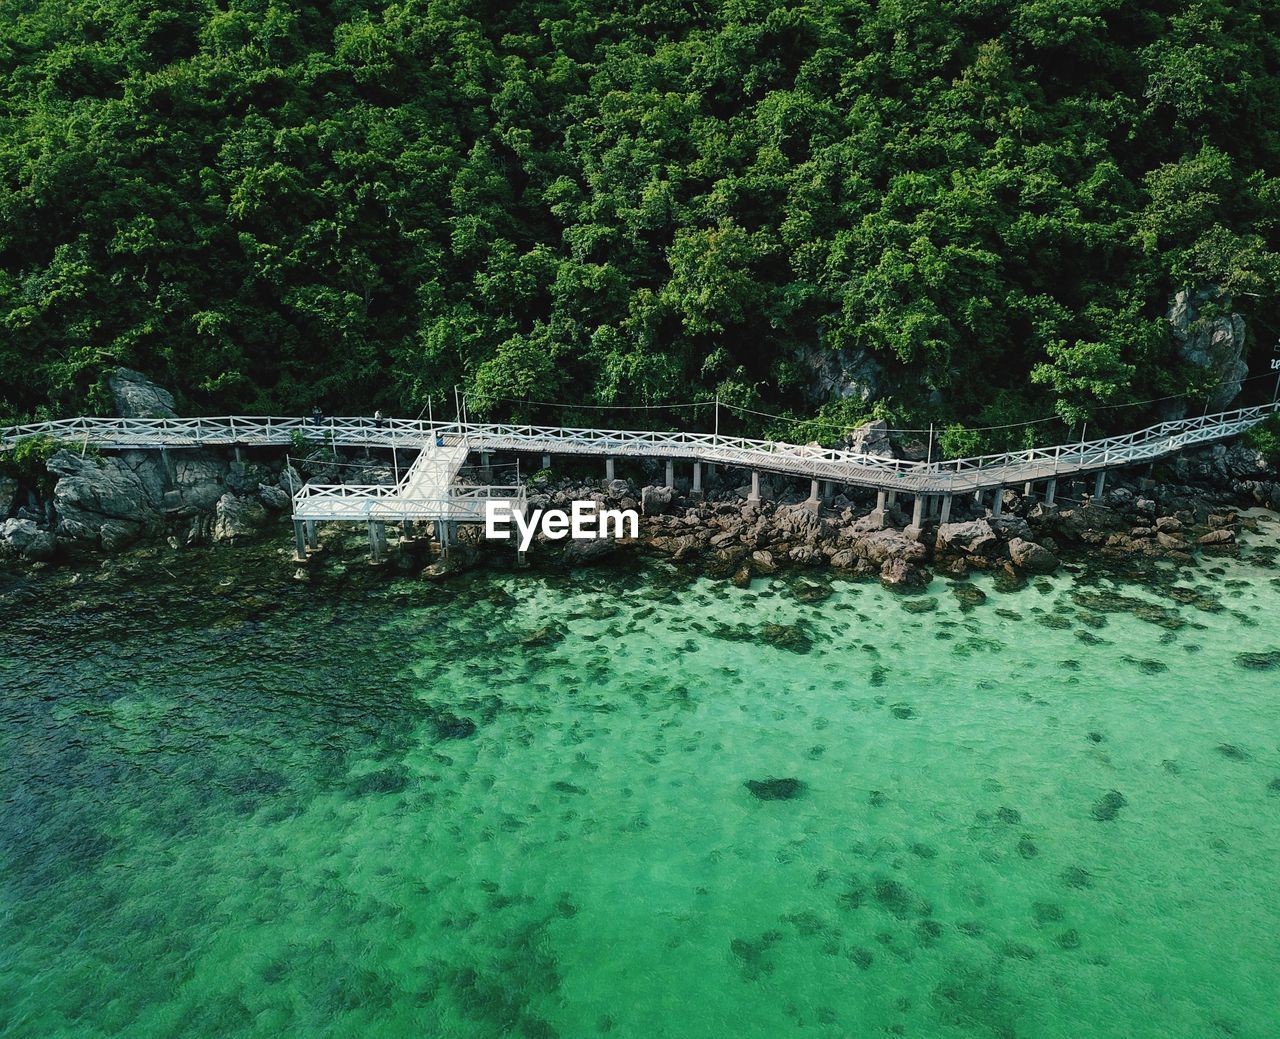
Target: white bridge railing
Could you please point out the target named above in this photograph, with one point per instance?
(812, 461)
(463, 504)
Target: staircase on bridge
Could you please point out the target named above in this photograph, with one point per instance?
(431, 491)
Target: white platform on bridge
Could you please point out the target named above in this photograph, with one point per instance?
(430, 491)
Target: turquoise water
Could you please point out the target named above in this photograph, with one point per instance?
(519, 805)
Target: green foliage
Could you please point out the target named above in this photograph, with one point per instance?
(1265, 437)
(1084, 374)
(958, 442)
(365, 204)
(26, 462)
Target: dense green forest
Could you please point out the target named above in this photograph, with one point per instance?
(266, 205)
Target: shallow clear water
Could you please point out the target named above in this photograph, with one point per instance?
(517, 805)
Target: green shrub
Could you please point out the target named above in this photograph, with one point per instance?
(1265, 437)
(26, 462)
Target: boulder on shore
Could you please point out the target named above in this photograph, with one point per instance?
(1033, 557)
(973, 538)
(900, 574)
(584, 552)
(654, 501)
(104, 502)
(238, 518)
(21, 537)
(871, 438)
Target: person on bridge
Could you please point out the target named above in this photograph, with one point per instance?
(377, 419)
(317, 415)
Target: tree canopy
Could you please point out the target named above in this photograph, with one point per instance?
(266, 204)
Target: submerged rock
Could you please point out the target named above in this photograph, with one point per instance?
(1108, 806)
(383, 781)
(787, 636)
(547, 635)
(808, 592)
(969, 595)
(776, 789)
(1268, 660)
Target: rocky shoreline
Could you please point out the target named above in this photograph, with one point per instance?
(736, 539)
(91, 506)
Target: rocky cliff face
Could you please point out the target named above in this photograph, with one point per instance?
(107, 503)
(840, 375)
(1212, 340)
(136, 396)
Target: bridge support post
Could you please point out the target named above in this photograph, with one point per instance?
(377, 541)
(313, 542)
(814, 497)
(608, 468)
(671, 473)
(299, 542)
(977, 496)
(1028, 489)
(170, 474)
(917, 511)
(755, 486)
(944, 517)
(485, 469)
(998, 503)
(1099, 482)
(891, 499)
(546, 461)
(879, 514)
(1050, 490)
(239, 457)
(697, 477)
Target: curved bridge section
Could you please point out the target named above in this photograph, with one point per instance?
(845, 467)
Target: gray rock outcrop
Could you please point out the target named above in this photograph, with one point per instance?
(973, 538)
(21, 537)
(654, 501)
(104, 502)
(1212, 341)
(237, 518)
(273, 497)
(871, 438)
(840, 374)
(136, 396)
(1033, 557)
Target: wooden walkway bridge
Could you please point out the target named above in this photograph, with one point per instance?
(431, 489)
